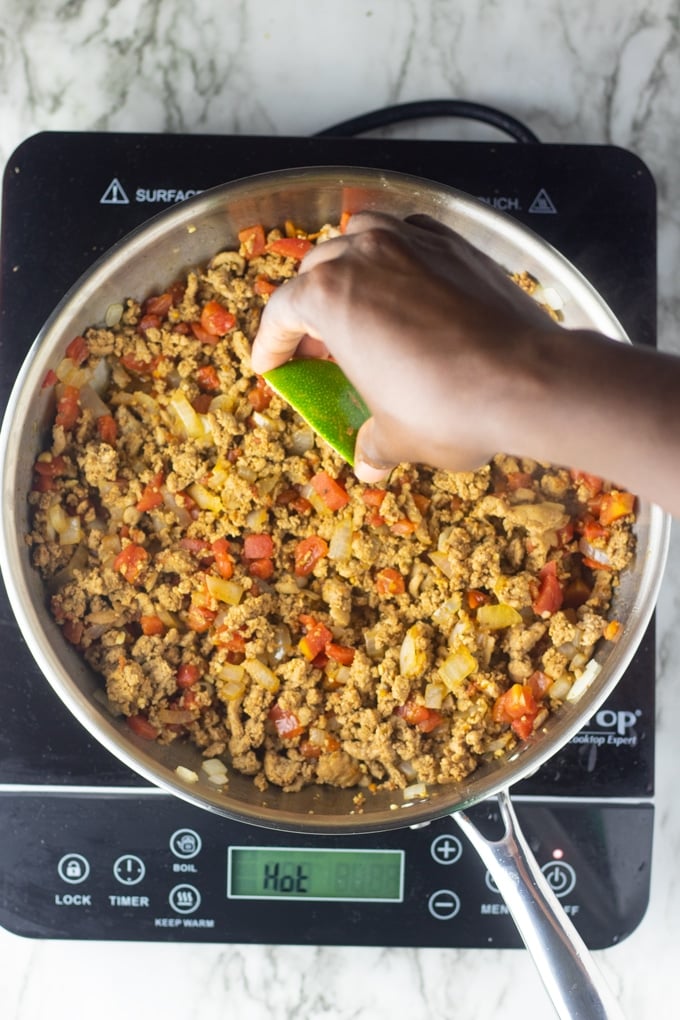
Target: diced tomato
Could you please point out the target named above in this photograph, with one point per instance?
(476, 598)
(550, 595)
(315, 639)
(201, 403)
(331, 492)
(158, 304)
(77, 350)
(260, 396)
(422, 502)
(565, 535)
(232, 640)
(188, 674)
(286, 723)
(308, 552)
(290, 247)
(344, 220)
(52, 468)
(50, 379)
(130, 562)
(200, 617)
(593, 483)
(68, 407)
(389, 581)
(216, 319)
(539, 683)
(207, 378)
(264, 286)
(224, 561)
(253, 241)
(257, 547)
(197, 547)
(615, 504)
(140, 725)
(152, 625)
(293, 498)
(262, 568)
(139, 367)
(312, 750)
(518, 707)
(107, 429)
(426, 719)
(403, 527)
(202, 335)
(340, 653)
(152, 496)
(595, 564)
(592, 529)
(149, 322)
(373, 497)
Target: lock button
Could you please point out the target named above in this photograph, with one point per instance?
(73, 868)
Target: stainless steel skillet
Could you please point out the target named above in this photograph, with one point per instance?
(143, 263)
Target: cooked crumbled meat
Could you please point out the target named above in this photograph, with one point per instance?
(237, 587)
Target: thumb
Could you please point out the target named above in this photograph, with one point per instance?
(372, 462)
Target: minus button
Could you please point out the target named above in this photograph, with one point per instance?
(443, 904)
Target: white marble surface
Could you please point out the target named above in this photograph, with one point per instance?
(605, 71)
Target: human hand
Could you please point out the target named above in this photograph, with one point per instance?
(433, 334)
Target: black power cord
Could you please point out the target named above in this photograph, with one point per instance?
(431, 108)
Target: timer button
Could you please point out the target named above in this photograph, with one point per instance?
(561, 877)
(446, 849)
(443, 904)
(129, 869)
(185, 843)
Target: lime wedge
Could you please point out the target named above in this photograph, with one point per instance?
(322, 394)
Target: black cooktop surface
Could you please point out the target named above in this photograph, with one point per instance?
(67, 197)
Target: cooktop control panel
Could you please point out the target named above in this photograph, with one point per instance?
(147, 868)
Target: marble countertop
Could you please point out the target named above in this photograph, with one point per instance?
(607, 71)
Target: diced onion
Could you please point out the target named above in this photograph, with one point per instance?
(191, 423)
(593, 553)
(257, 519)
(497, 617)
(113, 315)
(223, 590)
(441, 561)
(414, 791)
(456, 666)
(581, 685)
(434, 695)
(445, 615)
(206, 500)
(302, 440)
(186, 775)
(175, 716)
(262, 674)
(560, 688)
(215, 770)
(412, 658)
(71, 374)
(90, 399)
(340, 546)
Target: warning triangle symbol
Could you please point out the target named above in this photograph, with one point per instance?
(542, 203)
(114, 194)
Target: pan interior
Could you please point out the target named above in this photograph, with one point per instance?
(143, 263)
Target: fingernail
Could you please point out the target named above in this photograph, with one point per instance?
(366, 472)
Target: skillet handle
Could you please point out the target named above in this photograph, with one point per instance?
(573, 982)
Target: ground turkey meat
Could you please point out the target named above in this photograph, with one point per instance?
(236, 586)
